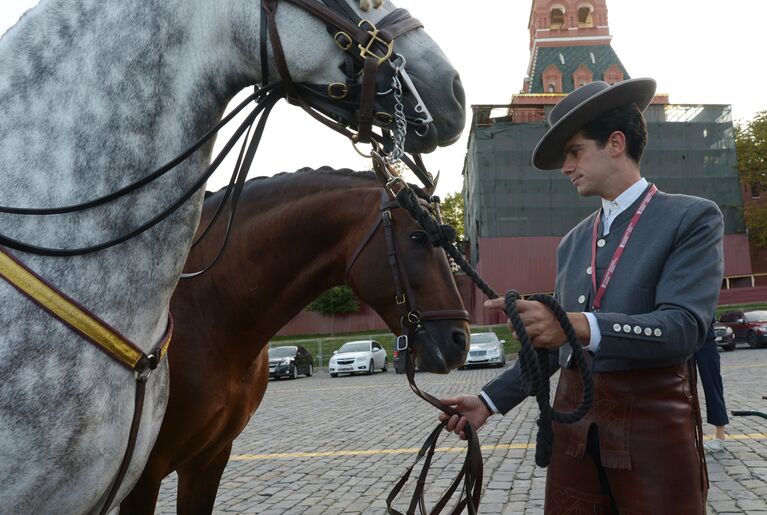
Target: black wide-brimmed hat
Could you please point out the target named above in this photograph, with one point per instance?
(580, 107)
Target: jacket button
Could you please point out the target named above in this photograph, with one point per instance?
(627, 328)
(588, 270)
(581, 299)
(617, 328)
(600, 243)
(637, 329)
(657, 332)
(647, 331)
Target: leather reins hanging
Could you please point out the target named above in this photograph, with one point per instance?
(413, 329)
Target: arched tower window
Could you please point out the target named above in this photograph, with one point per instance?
(557, 18)
(552, 79)
(585, 20)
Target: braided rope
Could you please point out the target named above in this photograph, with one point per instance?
(534, 362)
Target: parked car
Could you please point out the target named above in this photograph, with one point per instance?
(747, 325)
(290, 361)
(725, 337)
(358, 356)
(485, 349)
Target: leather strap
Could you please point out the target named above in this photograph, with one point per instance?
(132, 436)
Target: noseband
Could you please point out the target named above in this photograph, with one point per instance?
(412, 315)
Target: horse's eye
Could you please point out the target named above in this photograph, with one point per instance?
(420, 237)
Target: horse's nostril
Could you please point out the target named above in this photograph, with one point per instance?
(458, 92)
(459, 338)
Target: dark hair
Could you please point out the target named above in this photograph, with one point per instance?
(627, 119)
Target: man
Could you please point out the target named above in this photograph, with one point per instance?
(639, 279)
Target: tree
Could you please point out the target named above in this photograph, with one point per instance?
(452, 213)
(751, 146)
(339, 299)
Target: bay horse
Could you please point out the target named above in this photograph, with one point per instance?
(94, 95)
(295, 236)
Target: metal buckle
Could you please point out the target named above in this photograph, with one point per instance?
(373, 143)
(414, 317)
(337, 90)
(384, 172)
(346, 44)
(384, 117)
(373, 33)
(144, 374)
(401, 343)
(400, 300)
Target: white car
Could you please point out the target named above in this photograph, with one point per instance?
(358, 356)
(485, 349)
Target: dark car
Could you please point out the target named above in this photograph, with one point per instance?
(747, 325)
(725, 337)
(290, 361)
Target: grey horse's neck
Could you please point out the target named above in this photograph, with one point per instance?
(99, 92)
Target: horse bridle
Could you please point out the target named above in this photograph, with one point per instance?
(341, 105)
(412, 315)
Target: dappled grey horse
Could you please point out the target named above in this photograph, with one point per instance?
(95, 94)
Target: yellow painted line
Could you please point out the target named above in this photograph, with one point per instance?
(358, 387)
(413, 450)
(762, 365)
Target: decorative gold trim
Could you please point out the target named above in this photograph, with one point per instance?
(63, 308)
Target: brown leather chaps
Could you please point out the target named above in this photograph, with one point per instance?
(639, 449)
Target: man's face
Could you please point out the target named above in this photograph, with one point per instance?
(588, 167)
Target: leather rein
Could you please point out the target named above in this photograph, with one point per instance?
(412, 319)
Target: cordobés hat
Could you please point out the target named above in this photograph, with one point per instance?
(580, 107)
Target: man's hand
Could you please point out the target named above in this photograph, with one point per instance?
(473, 410)
(541, 325)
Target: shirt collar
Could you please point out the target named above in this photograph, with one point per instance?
(625, 199)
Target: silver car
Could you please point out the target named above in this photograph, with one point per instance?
(485, 349)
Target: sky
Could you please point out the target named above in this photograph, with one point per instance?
(701, 51)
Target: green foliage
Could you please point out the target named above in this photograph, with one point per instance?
(337, 300)
(452, 213)
(756, 220)
(751, 144)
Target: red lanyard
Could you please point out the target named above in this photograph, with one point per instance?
(618, 252)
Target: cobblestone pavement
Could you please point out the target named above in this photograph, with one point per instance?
(330, 446)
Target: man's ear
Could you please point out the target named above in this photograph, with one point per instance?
(616, 143)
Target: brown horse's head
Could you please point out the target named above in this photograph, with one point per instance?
(407, 278)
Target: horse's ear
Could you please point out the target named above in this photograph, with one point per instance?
(429, 190)
(365, 5)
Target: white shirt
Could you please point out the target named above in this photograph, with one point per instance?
(610, 211)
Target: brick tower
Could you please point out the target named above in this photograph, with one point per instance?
(570, 46)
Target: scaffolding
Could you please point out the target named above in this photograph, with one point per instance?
(690, 150)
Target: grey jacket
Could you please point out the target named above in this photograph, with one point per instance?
(662, 295)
